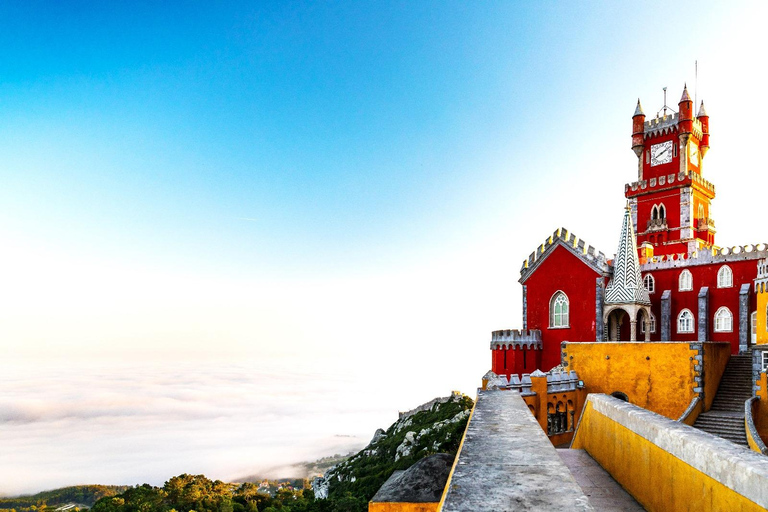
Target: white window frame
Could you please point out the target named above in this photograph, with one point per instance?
(765, 360)
(681, 322)
(652, 322)
(561, 319)
(649, 283)
(723, 320)
(725, 277)
(685, 281)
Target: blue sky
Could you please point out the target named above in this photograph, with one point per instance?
(341, 185)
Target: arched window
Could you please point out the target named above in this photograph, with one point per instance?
(724, 277)
(723, 320)
(701, 211)
(654, 212)
(685, 321)
(651, 326)
(558, 310)
(662, 212)
(686, 281)
(650, 283)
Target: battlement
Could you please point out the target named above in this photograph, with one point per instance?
(707, 256)
(668, 181)
(557, 382)
(574, 244)
(660, 125)
(516, 338)
(762, 268)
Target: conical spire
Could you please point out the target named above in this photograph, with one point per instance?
(702, 111)
(685, 94)
(626, 285)
(639, 109)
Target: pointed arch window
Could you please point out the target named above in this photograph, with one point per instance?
(655, 212)
(558, 310)
(651, 324)
(723, 320)
(650, 283)
(662, 212)
(725, 277)
(685, 281)
(685, 321)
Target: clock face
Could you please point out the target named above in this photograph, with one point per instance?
(693, 153)
(661, 153)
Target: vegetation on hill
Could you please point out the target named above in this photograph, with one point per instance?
(435, 427)
(85, 495)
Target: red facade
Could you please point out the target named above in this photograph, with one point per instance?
(670, 205)
(561, 271)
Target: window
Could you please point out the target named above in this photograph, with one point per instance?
(662, 212)
(686, 281)
(649, 282)
(655, 212)
(765, 360)
(558, 310)
(685, 321)
(652, 323)
(701, 211)
(723, 320)
(724, 277)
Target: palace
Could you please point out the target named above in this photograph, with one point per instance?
(668, 281)
(650, 368)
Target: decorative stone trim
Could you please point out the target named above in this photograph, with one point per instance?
(744, 314)
(707, 257)
(666, 315)
(595, 259)
(691, 407)
(516, 338)
(750, 425)
(703, 319)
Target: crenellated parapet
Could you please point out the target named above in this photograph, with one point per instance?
(664, 125)
(707, 257)
(516, 339)
(575, 245)
(674, 180)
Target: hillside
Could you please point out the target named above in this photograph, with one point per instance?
(435, 427)
(80, 494)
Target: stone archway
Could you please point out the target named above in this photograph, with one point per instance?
(615, 316)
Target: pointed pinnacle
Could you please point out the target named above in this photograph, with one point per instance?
(685, 94)
(638, 109)
(702, 111)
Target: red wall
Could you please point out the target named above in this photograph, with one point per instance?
(563, 271)
(518, 360)
(703, 275)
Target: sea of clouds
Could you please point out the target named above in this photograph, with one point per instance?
(131, 423)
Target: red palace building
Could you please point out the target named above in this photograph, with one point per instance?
(668, 281)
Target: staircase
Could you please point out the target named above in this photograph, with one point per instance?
(726, 417)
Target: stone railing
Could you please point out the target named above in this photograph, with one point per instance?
(657, 225)
(705, 223)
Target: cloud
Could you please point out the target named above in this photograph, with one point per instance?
(128, 423)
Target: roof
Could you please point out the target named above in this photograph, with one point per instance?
(639, 109)
(563, 238)
(626, 284)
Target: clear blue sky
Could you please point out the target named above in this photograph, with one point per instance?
(343, 185)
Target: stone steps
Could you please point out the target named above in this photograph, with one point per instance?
(726, 417)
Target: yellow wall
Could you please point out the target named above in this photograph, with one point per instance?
(760, 414)
(402, 507)
(657, 479)
(658, 376)
(761, 334)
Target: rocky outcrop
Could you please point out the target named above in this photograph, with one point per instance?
(434, 427)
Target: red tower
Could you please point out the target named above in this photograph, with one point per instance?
(670, 200)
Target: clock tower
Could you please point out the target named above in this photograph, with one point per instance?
(670, 200)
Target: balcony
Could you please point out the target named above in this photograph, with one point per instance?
(657, 225)
(705, 223)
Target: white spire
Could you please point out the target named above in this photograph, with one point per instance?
(626, 285)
